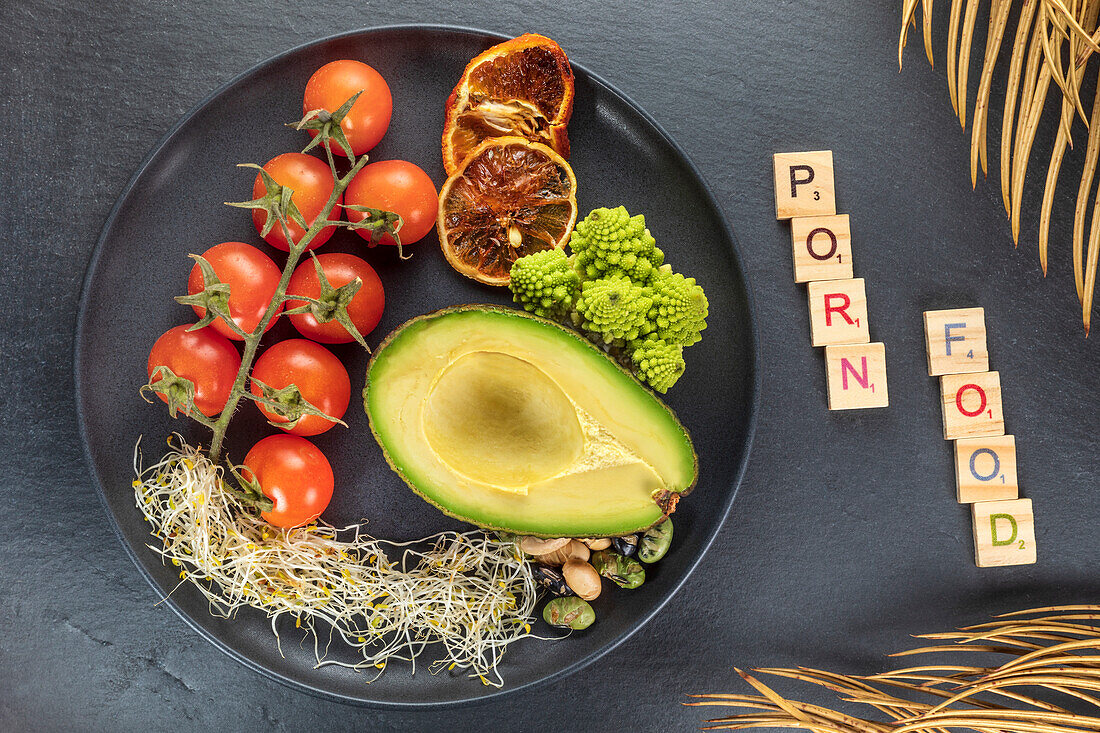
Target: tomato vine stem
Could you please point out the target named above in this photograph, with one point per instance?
(252, 340)
(278, 203)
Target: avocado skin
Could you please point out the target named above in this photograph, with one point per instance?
(666, 500)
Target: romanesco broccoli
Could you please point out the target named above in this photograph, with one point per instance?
(614, 308)
(544, 283)
(659, 363)
(679, 311)
(611, 242)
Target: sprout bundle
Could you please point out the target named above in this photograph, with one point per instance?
(468, 593)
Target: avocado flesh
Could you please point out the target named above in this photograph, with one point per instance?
(512, 422)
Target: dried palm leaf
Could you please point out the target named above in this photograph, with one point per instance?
(1052, 44)
(1053, 654)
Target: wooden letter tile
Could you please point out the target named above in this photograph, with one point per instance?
(971, 405)
(1004, 533)
(856, 375)
(838, 312)
(822, 247)
(804, 184)
(985, 469)
(956, 341)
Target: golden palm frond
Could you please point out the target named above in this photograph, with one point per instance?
(1053, 41)
(1052, 652)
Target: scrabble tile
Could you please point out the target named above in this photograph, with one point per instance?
(838, 312)
(956, 341)
(1004, 533)
(985, 469)
(971, 405)
(804, 184)
(856, 375)
(822, 248)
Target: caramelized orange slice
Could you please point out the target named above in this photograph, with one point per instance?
(510, 197)
(519, 87)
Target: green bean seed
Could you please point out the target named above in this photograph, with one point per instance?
(625, 572)
(569, 613)
(655, 542)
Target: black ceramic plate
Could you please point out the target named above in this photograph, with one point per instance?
(173, 206)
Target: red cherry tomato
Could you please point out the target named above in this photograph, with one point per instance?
(294, 474)
(205, 357)
(369, 118)
(311, 180)
(398, 186)
(318, 374)
(252, 278)
(365, 308)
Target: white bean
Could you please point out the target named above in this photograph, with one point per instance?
(582, 579)
(540, 546)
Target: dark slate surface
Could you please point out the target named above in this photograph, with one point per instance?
(845, 536)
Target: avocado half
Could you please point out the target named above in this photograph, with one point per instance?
(513, 422)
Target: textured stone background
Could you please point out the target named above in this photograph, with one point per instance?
(845, 536)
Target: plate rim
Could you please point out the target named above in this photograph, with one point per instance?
(578, 664)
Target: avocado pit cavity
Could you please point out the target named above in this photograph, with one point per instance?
(501, 421)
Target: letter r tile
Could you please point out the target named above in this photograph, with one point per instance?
(838, 312)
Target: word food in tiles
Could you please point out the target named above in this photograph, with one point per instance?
(804, 184)
(985, 469)
(985, 458)
(956, 341)
(971, 405)
(822, 248)
(856, 376)
(1004, 533)
(838, 312)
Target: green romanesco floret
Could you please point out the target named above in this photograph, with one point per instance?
(611, 242)
(679, 310)
(659, 363)
(544, 283)
(614, 309)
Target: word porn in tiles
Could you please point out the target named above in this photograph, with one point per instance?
(821, 240)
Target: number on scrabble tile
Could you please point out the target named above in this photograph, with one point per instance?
(856, 376)
(971, 405)
(821, 247)
(804, 184)
(838, 312)
(1004, 533)
(985, 469)
(955, 340)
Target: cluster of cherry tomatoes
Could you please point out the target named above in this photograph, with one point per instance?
(290, 470)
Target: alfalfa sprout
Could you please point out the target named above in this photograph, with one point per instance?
(470, 594)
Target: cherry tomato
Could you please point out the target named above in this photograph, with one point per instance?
(365, 308)
(368, 119)
(398, 186)
(205, 357)
(318, 374)
(252, 278)
(311, 180)
(294, 474)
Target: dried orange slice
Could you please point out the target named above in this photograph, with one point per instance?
(510, 197)
(520, 87)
